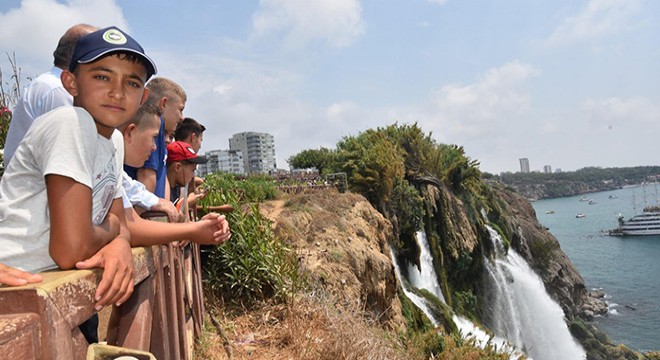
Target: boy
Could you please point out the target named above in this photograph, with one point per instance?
(171, 100)
(192, 132)
(182, 162)
(139, 142)
(59, 197)
(139, 137)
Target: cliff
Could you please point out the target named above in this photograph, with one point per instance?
(556, 188)
(343, 246)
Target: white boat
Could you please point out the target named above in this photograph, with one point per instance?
(580, 215)
(645, 224)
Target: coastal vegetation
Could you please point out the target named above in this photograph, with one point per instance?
(536, 185)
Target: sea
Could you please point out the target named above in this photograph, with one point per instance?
(626, 269)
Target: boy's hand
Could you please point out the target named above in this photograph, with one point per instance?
(117, 283)
(14, 277)
(166, 206)
(193, 198)
(213, 229)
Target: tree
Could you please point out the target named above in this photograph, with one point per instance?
(373, 164)
(320, 159)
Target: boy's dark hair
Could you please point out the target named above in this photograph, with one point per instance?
(187, 127)
(144, 111)
(64, 49)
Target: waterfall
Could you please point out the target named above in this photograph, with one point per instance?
(417, 300)
(425, 277)
(522, 311)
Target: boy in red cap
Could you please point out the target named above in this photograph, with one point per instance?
(182, 160)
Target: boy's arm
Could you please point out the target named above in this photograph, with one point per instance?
(212, 229)
(116, 259)
(148, 178)
(73, 237)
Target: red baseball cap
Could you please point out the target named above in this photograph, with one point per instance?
(182, 151)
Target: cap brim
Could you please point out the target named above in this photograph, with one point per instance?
(93, 55)
(198, 160)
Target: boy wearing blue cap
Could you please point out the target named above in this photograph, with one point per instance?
(60, 197)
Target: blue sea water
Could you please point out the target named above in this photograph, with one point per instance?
(626, 269)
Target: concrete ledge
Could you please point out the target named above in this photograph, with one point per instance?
(61, 302)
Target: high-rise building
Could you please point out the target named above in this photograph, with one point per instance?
(547, 169)
(258, 151)
(524, 165)
(228, 161)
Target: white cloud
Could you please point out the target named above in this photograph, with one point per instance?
(33, 29)
(485, 106)
(598, 18)
(339, 22)
(438, 2)
(636, 114)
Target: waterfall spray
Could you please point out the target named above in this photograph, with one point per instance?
(425, 277)
(522, 311)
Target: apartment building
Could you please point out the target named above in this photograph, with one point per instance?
(258, 151)
(228, 161)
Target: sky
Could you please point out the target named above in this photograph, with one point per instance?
(564, 83)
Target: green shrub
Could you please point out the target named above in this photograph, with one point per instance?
(543, 251)
(428, 344)
(232, 189)
(466, 303)
(253, 264)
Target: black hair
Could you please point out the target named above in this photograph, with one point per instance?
(187, 127)
(124, 55)
(143, 112)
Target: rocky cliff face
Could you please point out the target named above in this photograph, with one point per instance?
(555, 188)
(342, 243)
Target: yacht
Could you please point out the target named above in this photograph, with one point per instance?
(647, 223)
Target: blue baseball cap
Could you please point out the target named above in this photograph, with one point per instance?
(108, 40)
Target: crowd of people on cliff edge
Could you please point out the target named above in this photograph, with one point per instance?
(93, 143)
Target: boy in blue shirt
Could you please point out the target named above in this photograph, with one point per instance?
(170, 98)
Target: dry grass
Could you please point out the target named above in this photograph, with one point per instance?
(311, 328)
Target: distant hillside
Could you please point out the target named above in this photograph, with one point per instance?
(590, 179)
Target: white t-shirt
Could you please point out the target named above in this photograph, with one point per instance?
(62, 142)
(43, 94)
